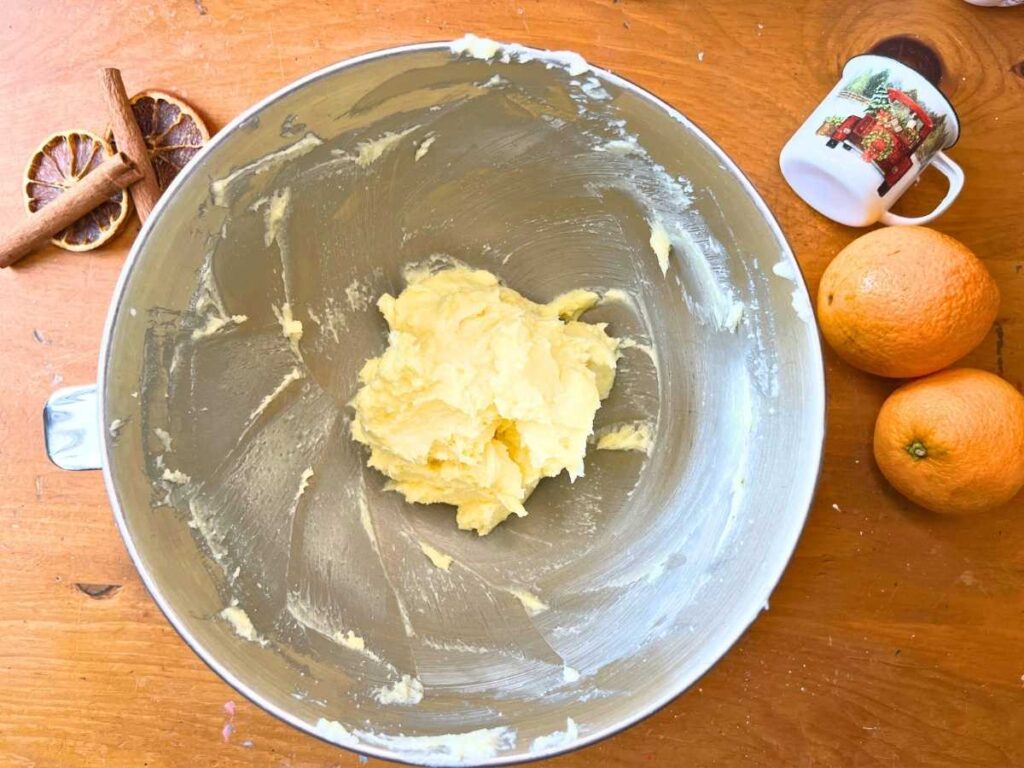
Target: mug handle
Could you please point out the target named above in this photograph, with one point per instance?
(951, 171)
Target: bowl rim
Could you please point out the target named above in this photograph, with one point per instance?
(733, 633)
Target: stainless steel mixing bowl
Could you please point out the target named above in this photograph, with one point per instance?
(552, 175)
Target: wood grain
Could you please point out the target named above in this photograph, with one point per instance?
(894, 639)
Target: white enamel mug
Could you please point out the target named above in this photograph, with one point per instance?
(869, 140)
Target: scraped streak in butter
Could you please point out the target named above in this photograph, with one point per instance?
(785, 270)
(485, 49)
(436, 556)
(290, 327)
(660, 244)
(350, 640)
(557, 739)
(209, 304)
(366, 521)
(592, 89)
(219, 189)
(354, 642)
(457, 646)
(164, 437)
(274, 216)
(211, 535)
(346, 638)
(744, 405)
(715, 303)
(717, 306)
(626, 146)
(330, 321)
(424, 147)
(533, 604)
(176, 476)
(647, 349)
(616, 296)
(276, 212)
(208, 297)
(801, 305)
(798, 299)
(293, 375)
(215, 323)
(407, 691)
(475, 47)
(241, 624)
(634, 436)
(304, 478)
(358, 295)
(443, 750)
(368, 152)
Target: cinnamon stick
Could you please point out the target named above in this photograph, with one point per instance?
(112, 175)
(130, 141)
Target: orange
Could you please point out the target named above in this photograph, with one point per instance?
(905, 301)
(953, 442)
(172, 130)
(59, 163)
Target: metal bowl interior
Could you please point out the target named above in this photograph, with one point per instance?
(550, 177)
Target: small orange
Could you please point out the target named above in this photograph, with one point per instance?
(905, 301)
(953, 442)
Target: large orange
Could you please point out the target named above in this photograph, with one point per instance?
(905, 301)
(953, 442)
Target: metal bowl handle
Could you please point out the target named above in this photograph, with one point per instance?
(71, 428)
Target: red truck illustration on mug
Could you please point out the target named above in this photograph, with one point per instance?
(887, 136)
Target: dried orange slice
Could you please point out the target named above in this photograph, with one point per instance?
(172, 130)
(59, 163)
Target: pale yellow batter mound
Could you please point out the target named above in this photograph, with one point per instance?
(481, 393)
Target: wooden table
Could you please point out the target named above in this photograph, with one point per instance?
(895, 638)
